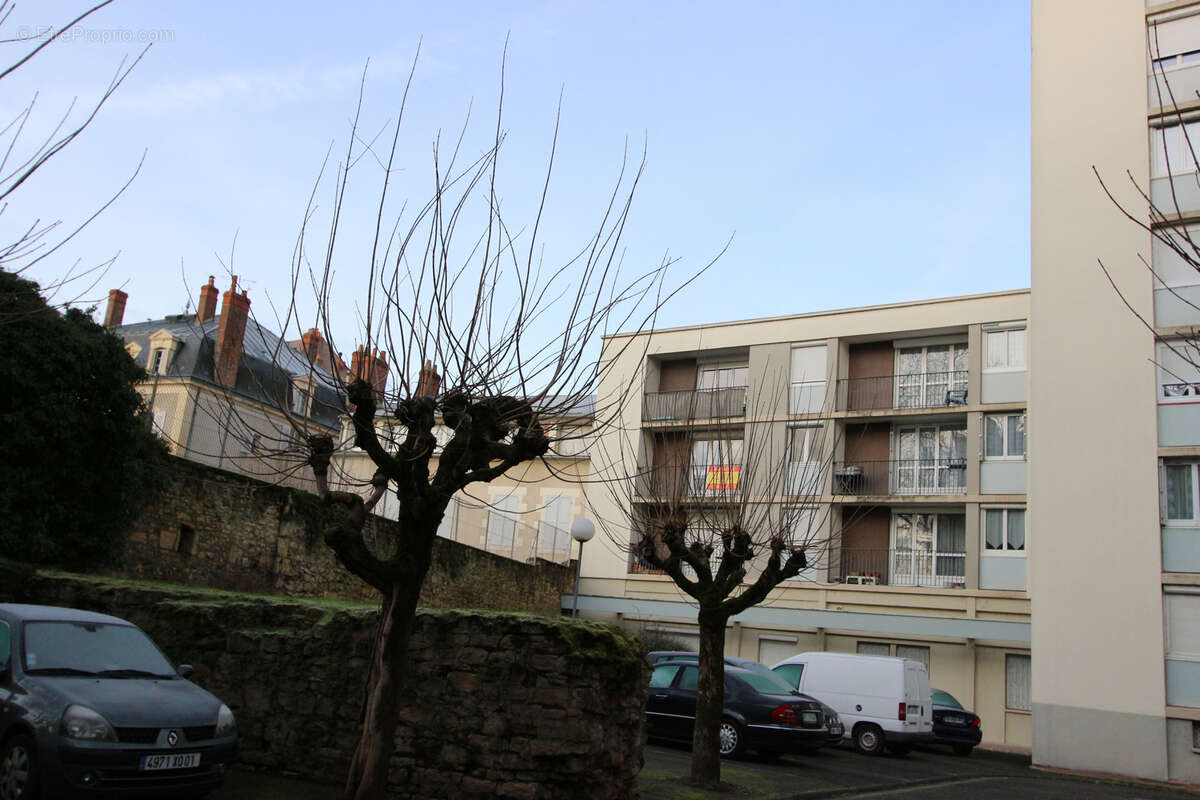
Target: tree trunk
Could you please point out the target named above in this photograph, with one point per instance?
(369, 769)
(710, 699)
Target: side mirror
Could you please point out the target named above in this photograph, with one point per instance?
(184, 670)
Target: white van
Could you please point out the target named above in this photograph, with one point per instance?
(883, 702)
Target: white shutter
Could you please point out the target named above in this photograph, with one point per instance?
(1174, 36)
(772, 651)
(914, 653)
(1181, 613)
(873, 649)
(1018, 682)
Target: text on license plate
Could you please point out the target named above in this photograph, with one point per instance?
(954, 719)
(170, 761)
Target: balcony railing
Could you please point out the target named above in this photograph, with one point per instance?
(694, 404)
(927, 568)
(910, 476)
(915, 390)
(674, 482)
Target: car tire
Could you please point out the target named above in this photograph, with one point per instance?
(899, 749)
(731, 739)
(963, 750)
(868, 739)
(18, 769)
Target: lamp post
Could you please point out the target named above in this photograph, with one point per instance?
(582, 530)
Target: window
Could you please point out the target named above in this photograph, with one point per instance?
(804, 459)
(5, 646)
(1178, 373)
(555, 540)
(1004, 530)
(1004, 436)
(790, 673)
(873, 649)
(300, 397)
(1170, 62)
(716, 466)
(932, 460)
(929, 549)
(807, 393)
(157, 359)
(914, 653)
(931, 375)
(1181, 622)
(1017, 682)
(1004, 349)
(186, 545)
(721, 377)
(806, 528)
(1172, 149)
(447, 528)
(502, 524)
(690, 678)
(662, 676)
(1179, 492)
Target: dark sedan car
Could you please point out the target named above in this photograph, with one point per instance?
(761, 713)
(953, 724)
(90, 708)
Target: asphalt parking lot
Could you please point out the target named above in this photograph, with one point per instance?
(930, 774)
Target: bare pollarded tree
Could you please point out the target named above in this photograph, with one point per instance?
(729, 505)
(27, 145)
(481, 335)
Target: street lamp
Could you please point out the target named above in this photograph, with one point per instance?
(582, 530)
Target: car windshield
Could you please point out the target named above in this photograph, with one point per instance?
(943, 699)
(766, 682)
(92, 648)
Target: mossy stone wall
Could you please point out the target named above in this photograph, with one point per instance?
(500, 705)
(218, 529)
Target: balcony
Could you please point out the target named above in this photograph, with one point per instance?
(924, 568)
(901, 477)
(694, 404)
(674, 482)
(914, 390)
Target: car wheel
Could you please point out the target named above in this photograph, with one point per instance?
(869, 739)
(731, 739)
(963, 749)
(899, 749)
(18, 769)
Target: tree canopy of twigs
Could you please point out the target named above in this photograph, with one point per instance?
(482, 333)
(729, 509)
(23, 155)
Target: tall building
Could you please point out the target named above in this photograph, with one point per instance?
(1115, 432)
(900, 437)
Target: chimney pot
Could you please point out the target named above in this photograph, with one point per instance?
(208, 301)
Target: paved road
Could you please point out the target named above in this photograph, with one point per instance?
(926, 774)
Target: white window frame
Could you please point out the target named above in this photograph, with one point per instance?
(817, 531)
(1005, 456)
(158, 361)
(954, 345)
(934, 555)
(1174, 635)
(1181, 522)
(1009, 659)
(721, 367)
(502, 521)
(1171, 148)
(1175, 371)
(804, 473)
(940, 464)
(1005, 551)
(805, 385)
(1009, 349)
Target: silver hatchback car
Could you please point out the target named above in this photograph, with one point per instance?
(91, 708)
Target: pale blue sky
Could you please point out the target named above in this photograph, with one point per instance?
(858, 152)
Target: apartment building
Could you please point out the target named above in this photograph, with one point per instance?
(1116, 583)
(901, 434)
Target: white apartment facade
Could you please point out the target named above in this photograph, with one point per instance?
(1116, 582)
(916, 413)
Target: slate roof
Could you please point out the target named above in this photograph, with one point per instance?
(265, 370)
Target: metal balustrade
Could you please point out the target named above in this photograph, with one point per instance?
(913, 390)
(901, 477)
(694, 404)
(878, 567)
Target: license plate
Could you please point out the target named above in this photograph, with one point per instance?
(170, 761)
(836, 730)
(954, 719)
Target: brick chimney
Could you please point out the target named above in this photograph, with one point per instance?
(430, 383)
(116, 308)
(208, 302)
(310, 344)
(371, 367)
(231, 330)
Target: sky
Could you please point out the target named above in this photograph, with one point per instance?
(851, 153)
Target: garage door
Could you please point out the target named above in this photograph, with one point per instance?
(772, 651)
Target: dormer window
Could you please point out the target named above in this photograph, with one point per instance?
(163, 347)
(157, 359)
(302, 395)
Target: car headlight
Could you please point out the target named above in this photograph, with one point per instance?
(81, 722)
(226, 725)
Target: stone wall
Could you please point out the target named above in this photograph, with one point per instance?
(214, 528)
(500, 705)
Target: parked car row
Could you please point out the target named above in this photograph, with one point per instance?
(812, 700)
(91, 708)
